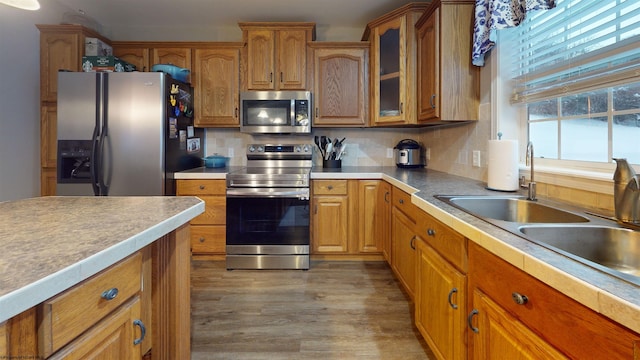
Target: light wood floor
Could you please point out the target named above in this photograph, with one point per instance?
(336, 310)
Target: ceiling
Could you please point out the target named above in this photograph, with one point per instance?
(114, 14)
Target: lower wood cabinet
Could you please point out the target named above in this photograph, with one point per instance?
(345, 217)
(513, 315)
(208, 230)
(403, 239)
(383, 219)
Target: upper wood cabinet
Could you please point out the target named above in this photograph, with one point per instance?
(134, 53)
(393, 65)
(340, 83)
(448, 83)
(216, 78)
(275, 55)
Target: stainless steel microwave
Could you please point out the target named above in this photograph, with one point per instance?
(275, 112)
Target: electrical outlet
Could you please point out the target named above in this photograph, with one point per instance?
(476, 158)
(389, 153)
(230, 152)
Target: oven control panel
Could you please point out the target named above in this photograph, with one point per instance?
(302, 149)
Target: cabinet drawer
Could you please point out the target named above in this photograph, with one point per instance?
(70, 313)
(402, 201)
(208, 239)
(215, 211)
(330, 187)
(560, 320)
(447, 242)
(201, 187)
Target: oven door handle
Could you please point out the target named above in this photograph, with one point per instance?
(301, 193)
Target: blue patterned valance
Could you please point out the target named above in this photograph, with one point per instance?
(499, 14)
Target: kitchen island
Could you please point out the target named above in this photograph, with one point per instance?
(55, 248)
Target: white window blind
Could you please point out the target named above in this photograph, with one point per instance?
(579, 46)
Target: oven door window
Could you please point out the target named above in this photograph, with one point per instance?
(266, 112)
(267, 221)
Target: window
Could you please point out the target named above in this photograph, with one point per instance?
(576, 69)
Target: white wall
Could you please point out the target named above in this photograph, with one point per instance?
(19, 98)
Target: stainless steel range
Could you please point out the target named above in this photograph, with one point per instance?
(268, 208)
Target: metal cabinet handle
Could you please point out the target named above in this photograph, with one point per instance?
(109, 294)
(201, 239)
(401, 108)
(431, 232)
(330, 187)
(143, 331)
(519, 299)
(453, 291)
(236, 113)
(432, 101)
(281, 77)
(412, 243)
(317, 112)
(473, 313)
(401, 201)
(386, 197)
(270, 77)
(201, 187)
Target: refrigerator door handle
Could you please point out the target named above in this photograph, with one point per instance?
(94, 167)
(104, 189)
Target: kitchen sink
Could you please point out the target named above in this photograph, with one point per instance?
(512, 209)
(612, 247)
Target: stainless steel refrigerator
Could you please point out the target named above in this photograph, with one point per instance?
(124, 133)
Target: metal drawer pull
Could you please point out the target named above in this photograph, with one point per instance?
(412, 243)
(401, 201)
(110, 294)
(330, 187)
(453, 291)
(519, 298)
(431, 232)
(143, 331)
(473, 313)
(201, 239)
(201, 187)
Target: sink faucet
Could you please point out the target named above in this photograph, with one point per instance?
(626, 192)
(532, 184)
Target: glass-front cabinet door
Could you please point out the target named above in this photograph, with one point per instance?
(390, 77)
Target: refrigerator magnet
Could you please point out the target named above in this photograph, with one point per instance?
(190, 131)
(183, 139)
(173, 128)
(193, 145)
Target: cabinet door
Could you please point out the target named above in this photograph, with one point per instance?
(429, 68)
(208, 239)
(383, 224)
(341, 86)
(111, 338)
(330, 224)
(368, 216)
(389, 71)
(440, 304)
(403, 252)
(180, 57)
(138, 56)
(260, 60)
(217, 81)
(58, 51)
(292, 60)
(501, 336)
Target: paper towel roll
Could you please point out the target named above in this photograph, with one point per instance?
(503, 165)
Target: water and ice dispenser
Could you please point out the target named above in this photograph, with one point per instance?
(74, 161)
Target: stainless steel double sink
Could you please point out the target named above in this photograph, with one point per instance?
(594, 241)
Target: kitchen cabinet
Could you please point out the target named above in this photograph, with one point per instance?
(61, 48)
(340, 83)
(448, 85)
(393, 65)
(383, 220)
(441, 288)
(330, 217)
(368, 216)
(208, 230)
(134, 53)
(216, 78)
(403, 239)
(514, 314)
(176, 55)
(275, 55)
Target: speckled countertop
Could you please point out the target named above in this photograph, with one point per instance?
(52, 243)
(612, 297)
